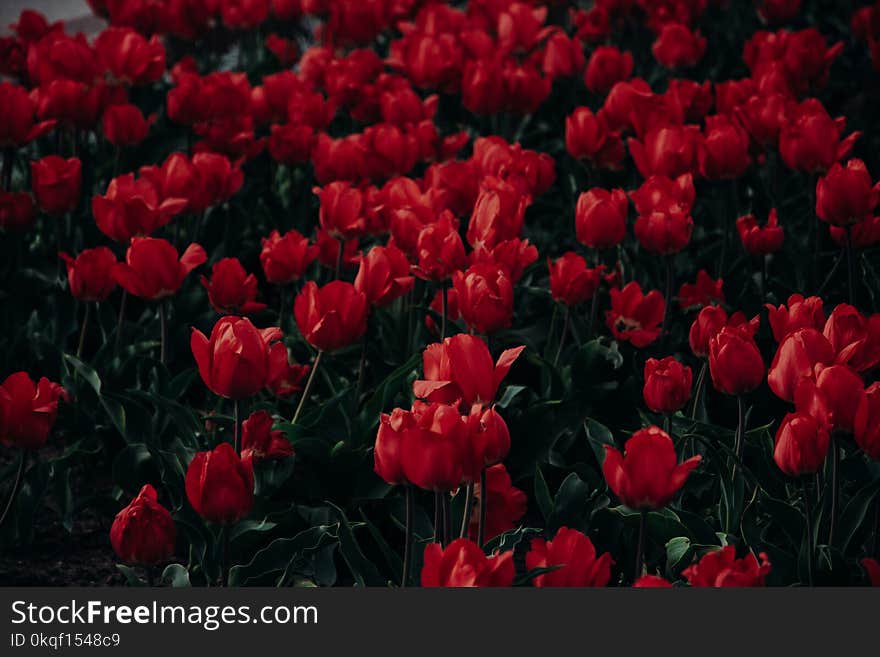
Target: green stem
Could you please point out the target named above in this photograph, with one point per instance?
(640, 549)
(308, 388)
(163, 333)
(120, 321)
(466, 514)
(481, 527)
(698, 391)
(236, 432)
(740, 433)
(83, 330)
(407, 548)
(808, 517)
(565, 324)
(16, 485)
(835, 490)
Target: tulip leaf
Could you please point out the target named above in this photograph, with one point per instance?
(113, 408)
(131, 576)
(362, 569)
(542, 494)
(855, 513)
(509, 395)
(275, 558)
(176, 575)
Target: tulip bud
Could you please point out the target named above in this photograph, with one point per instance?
(220, 485)
(231, 289)
(845, 195)
(571, 282)
(795, 359)
(56, 183)
(463, 563)
(331, 317)
(667, 385)
(125, 125)
(600, 218)
(607, 67)
(735, 362)
(575, 554)
(144, 532)
(28, 410)
(485, 298)
(678, 47)
(285, 258)
(432, 449)
(800, 313)
(152, 269)
(721, 568)
(259, 442)
(90, 274)
(760, 240)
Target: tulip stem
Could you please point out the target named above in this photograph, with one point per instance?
(444, 509)
(227, 551)
(437, 530)
(281, 306)
(443, 311)
(163, 333)
(640, 548)
(83, 330)
(740, 433)
(850, 267)
(16, 485)
(407, 547)
(565, 324)
(670, 274)
(339, 258)
(308, 388)
(481, 527)
(594, 313)
(698, 392)
(466, 514)
(120, 321)
(236, 434)
(808, 517)
(835, 490)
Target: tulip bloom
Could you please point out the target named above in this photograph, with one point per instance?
(342, 210)
(505, 504)
(56, 183)
(795, 359)
(129, 57)
(571, 282)
(498, 214)
(237, 360)
(284, 377)
(845, 195)
(832, 395)
(28, 410)
(144, 532)
(17, 124)
(384, 275)
(463, 564)
(678, 47)
(664, 233)
(231, 290)
(588, 137)
(133, 207)
(387, 450)
(125, 125)
(285, 258)
(704, 291)
(667, 385)
(600, 218)
(220, 485)
(635, 317)
(853, 337)
(259, 442)
(647, 475)
(800, 313)
(724, 149)
(760, 240)
(721, 568)
(867, 422)
(152, 269)
(810, 139)
(607, 67)
(460, 369)
(581, 566)
(331, 317)
(439, 249)
(735, 362)
(433, 447)
(485, 298)
(488, 441)
(801, 444)
(667, 151)
(90, 274)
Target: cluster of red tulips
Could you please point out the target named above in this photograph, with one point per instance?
(411, 218)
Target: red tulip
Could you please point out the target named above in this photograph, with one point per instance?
(651, 582)
(17, 124)
(219, 180)
(721, 568)
(635, 317)
(152, 269)
(664, 233)
(810, 139)
(16, 211)
(872, 570)
(862, 235)
(600, 218)
(607, 67)
(760, 240)
(505, 504)
(832, 395)
(286, 51)
(463, 564)
(286, 258)
(284, 377)
(800, 313)
(384, 275)
(724, 149)
(498, 213)
(588, 137)
(129, 57)
(709, 322)
(90, 274)
(693, 98)
(797, 355)
(259, 442)
(433, 447)
(853, 337)
(220, 485)
(667, 385)
(867, 422)
(125, 125)
(735, 362)
(331, 317)
(388, 448)
(668, 151)
(231, 289)
(647, 476)
(460, 369)
(133, 207)
(845, 195)
(801, 444)
(575, 553)
(563, 56)
(488, 441)
(667, 195)
(290, 144)
(439, 249)
(329, 248)
(485, 298)
(28, 410)
(56, 183)
(571, 282)
(144, 532)
(342, 210)
(705, 291)
(237, 359)
(678, 47)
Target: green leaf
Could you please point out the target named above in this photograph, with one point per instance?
(855, 513)
(509, 394)
(113, 408)
(679, 552)
(251, 526)
(362, 569)
(131, 576)
(542, 494)
(275, 558)
(176, 575)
